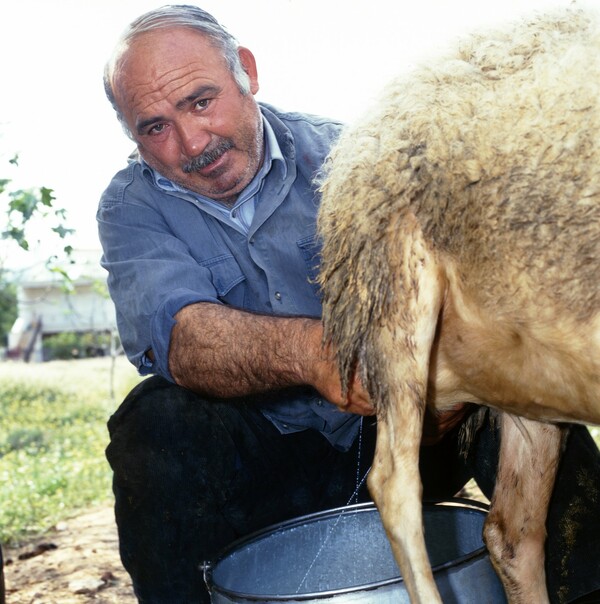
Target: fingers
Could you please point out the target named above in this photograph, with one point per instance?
(357, 399)
(328, 382)
(360, 408)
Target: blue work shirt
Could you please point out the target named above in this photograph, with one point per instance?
(165, 248)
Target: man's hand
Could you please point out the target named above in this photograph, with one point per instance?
(356, 400)
(326, 379)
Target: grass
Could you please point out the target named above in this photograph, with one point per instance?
(52, 440)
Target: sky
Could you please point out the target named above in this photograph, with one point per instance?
(329, 57)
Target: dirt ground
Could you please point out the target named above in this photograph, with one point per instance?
(76, 563)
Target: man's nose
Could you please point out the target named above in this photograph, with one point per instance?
(194, 139)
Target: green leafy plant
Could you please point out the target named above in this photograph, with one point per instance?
(22, 205)
(8, 308)
(69, 345)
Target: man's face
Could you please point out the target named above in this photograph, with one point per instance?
(187, 114)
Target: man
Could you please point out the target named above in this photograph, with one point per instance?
(209, 242)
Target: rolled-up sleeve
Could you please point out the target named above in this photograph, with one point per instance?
(151, 275)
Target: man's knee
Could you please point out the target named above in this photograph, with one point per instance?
(153, 398)
(161, 428)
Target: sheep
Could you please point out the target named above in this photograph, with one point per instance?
(460, 262)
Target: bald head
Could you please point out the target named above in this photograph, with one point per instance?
(168, 17)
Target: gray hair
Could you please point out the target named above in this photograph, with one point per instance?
(177, 15)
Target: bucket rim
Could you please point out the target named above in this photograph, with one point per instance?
(477, 507)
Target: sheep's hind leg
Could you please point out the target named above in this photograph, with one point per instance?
(395, 485)
(399, 369)
(515, 530)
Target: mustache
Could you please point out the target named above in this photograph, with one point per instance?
(208, 156)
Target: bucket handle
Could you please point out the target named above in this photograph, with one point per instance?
(206, 568)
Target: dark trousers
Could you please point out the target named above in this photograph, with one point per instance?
(191, 475)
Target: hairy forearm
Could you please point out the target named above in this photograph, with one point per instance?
(219, 351)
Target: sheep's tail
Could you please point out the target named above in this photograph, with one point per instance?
(358, 273)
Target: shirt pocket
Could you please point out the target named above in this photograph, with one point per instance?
(226, 276)
(310, 249)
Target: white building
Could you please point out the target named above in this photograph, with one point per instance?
(48, 305)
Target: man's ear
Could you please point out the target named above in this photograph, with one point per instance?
(249, 65)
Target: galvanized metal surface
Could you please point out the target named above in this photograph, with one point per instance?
(343, 556)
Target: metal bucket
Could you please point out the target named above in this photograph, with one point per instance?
(343, 556)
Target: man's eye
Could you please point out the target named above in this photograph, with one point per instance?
(156, 129)
(202, 104)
